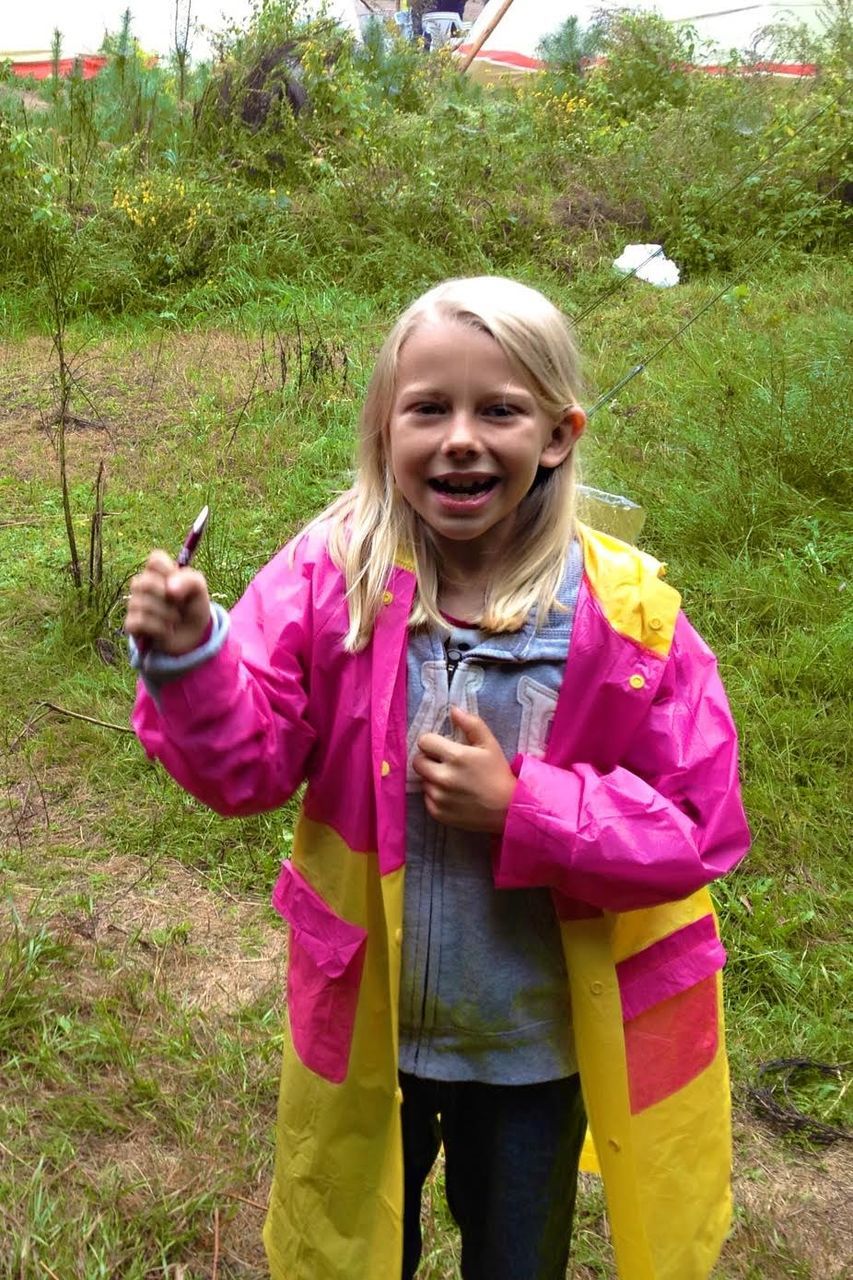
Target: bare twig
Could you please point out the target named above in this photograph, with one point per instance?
(220, 888)
(156, 368)
(17, 818)
(98, 419)
(246, 403)
(32, 720)
(215, 1271)
(232, 1195)
(76, 715)
(96, 545)
(33, 520)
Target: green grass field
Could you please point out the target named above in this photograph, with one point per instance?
(141, 967)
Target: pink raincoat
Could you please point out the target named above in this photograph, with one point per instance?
(633, 811)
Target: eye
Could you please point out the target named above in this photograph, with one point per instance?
(502, 410)
(426, 408)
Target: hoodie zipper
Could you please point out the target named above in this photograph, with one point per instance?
(452, 657)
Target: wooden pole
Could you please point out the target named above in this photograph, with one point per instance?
(484, 35)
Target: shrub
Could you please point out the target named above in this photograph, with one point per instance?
(645, 62)
(169, 224)
(569, 51)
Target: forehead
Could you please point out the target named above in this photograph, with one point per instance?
(443, 350)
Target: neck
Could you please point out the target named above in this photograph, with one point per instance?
(465, 572)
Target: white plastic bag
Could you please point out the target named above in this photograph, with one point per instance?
(648, 262)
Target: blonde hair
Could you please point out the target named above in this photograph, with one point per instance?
(372, 524)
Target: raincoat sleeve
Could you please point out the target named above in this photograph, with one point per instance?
(235, 731)
(665, 822)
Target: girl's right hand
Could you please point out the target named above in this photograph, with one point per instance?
(168, 608)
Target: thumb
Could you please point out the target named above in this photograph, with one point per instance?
(476, 731)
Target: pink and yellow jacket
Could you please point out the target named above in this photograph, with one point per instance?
(633, 811)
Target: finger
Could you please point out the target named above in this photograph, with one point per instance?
(437, 747)
(148, 583)
(150, 618)
(184, 585)
(476, 731)
(160, 562)
(430, 771)
(433, 802)
(150, 608)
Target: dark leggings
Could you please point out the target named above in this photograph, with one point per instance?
(511, 1166)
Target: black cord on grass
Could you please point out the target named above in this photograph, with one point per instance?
(782, 1112)
(706, 306)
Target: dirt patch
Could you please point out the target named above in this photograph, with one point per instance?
(217, 953)
(579, 208)
(150, 401)
(791, 1204)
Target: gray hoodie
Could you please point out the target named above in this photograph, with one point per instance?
(483, 992)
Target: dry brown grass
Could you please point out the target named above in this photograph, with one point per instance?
(230, 950)
(792, 1204)
(127, 400)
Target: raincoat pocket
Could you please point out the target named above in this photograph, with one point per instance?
(671, 1007)
(326, 957)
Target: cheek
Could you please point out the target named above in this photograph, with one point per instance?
(399, 468)
(405, 457)
(395, 455)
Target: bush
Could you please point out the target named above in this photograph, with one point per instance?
(169, 225)
(645, 62)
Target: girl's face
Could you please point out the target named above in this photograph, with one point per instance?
(467, 434)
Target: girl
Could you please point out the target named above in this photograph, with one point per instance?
(522, 774)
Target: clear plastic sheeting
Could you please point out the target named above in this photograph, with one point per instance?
(611, 513)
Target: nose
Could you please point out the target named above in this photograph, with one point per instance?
(460, 437)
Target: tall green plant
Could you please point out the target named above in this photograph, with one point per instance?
(181, 46)
(569, 50)
(55, 56)
(35, 207)
(646, 62)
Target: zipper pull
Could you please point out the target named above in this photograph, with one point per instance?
(453, 657)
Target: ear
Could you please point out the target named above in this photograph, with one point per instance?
(564, 436)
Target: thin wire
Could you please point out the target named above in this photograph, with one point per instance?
(706, 306)
(620, 283)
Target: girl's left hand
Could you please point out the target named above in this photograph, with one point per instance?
(465, 784)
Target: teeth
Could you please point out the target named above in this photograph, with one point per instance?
(476, 486)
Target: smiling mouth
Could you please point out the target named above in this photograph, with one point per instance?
(464, 488)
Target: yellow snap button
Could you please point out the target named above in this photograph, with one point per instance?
(385, 769)
(398, 1094)
(637, 681)
(614, 1144)
(387, 597)
(655, 624)
(596, 988)
(398, 935)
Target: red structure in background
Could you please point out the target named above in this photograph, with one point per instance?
(39, 66)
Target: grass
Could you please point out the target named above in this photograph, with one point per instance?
(138, 1097)
(140, 966)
